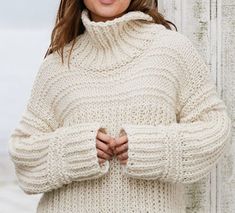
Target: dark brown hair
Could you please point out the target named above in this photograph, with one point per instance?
(68, 24)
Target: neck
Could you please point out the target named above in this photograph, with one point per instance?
(113, 43)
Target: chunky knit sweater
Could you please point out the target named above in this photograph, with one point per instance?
(125, 74)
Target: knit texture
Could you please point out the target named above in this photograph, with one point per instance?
(125, 74)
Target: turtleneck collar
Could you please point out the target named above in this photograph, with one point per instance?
(115, 42)
(109, 33)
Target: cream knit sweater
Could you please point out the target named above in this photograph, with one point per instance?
(125, 73)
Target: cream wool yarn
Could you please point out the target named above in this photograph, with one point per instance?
(126, 74)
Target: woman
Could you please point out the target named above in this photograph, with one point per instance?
(131, 119)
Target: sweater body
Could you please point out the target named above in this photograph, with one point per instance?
(128, 74)
(125, 95)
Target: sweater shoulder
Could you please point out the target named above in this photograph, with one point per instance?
(49, 67)
(180, 44)
(174, 40)
(47, 71)
(180, 47)
(184, 54)
(50, 64)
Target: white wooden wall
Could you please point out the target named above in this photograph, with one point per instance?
(210, 25)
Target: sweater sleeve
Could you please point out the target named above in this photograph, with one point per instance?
(187, 150)
(47, 156)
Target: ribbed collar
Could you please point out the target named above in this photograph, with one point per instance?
(113, 43)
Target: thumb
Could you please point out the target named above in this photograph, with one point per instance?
(112, 143)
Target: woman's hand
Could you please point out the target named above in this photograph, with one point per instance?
(104, 145)
(121, 148)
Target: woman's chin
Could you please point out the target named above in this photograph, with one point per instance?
(108, 9)
(108, 12)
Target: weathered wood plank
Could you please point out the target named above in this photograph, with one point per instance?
(227, 82)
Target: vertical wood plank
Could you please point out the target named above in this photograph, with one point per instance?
(215, 59)
(226, 75)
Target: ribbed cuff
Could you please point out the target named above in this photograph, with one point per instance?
(75, 150)
(149, 153)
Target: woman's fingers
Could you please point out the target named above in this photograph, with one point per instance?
(101, 160)
(122, 132)
(103, 146)
(103, 136)
(107, 146)
(104, 152)
(123, 162)
(121, 148)
(104, 155)
(121, 140)
(123, 156)
(112, 143)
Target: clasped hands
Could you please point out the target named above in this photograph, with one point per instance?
(108, 146)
